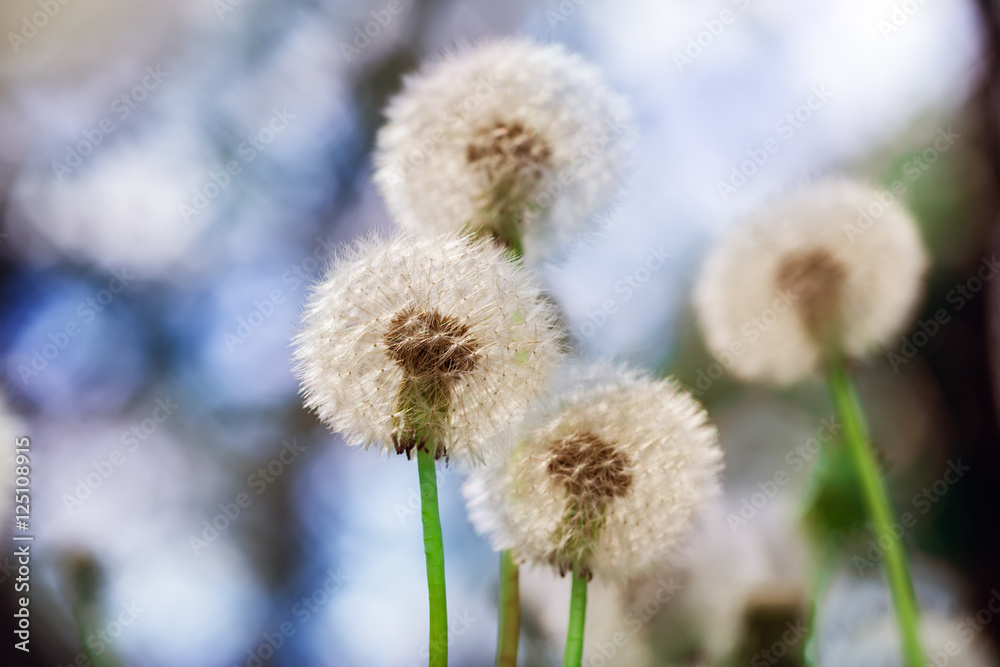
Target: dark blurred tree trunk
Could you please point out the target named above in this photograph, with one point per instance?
(967, 365)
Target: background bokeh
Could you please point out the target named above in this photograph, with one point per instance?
(175, 174)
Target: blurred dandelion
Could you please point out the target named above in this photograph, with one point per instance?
(835, 287)
(510, 139)
(844, 287)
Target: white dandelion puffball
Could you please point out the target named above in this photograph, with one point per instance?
(606, 480)
(835, 268)
(508, 137)
(440, 338)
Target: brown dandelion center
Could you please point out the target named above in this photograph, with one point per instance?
(816, 279)
(591, 468)
(427, 344)
(509, 147)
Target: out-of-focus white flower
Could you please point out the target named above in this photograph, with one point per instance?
(121, 209)
(510, 138)
(607, 480)
(829, 269)
(856, 624)
(732, 577)
(440, 337)
(133, 506)
(878, 645)
(610, 617)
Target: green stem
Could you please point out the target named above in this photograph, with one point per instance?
(434, 551)
(819, 579)
(877, 506)
(577, 615)
(509, 629)
(83, 631)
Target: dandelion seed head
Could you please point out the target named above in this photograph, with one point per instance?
(426, 343)
(812, 275)
(507, 137)
(440, 338)
(605, 479)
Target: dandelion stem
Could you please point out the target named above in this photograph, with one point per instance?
(434, 551)
(876, 500)
(509, 630)
(573, 657)
(84, 633)
(84, 576)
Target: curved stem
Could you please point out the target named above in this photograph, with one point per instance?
(876, 500)
(509, 630)
(573, 657)
(434, 551)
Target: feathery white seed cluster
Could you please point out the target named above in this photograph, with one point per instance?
(606, 480)
(802, 279)
(506, 133)
(439, 338)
